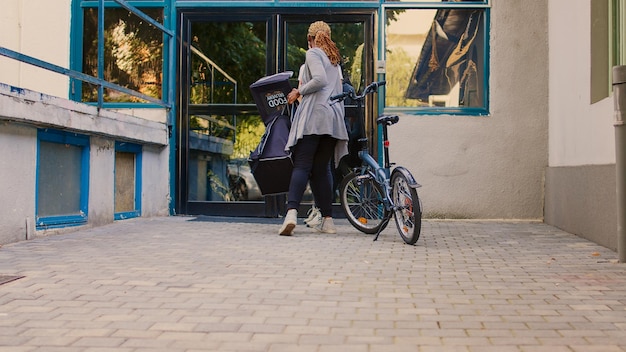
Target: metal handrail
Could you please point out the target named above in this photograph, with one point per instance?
(215, 66)
(79, 75)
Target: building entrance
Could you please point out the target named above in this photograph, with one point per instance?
(219, 124)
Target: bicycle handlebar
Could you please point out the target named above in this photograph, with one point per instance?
(371, 88)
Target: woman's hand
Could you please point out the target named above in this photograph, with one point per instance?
(293, 95)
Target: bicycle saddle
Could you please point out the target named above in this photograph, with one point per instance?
(387, 119)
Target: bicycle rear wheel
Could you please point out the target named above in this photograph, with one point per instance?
(362, 202)
(408, 213)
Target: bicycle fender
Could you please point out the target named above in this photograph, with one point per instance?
(407, 174)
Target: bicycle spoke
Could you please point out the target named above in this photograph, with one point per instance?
(407, 208)
(362, 202)
(366, 204)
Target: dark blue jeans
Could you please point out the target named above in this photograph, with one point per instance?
(311, 162)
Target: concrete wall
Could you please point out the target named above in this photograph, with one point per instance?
(582, 200)
(17, 181)
(492, 166)
(23, 111)
(580, 180)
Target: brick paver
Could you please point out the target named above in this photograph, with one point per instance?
(179, 284)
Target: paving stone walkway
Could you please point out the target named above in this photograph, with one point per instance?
(219, 284)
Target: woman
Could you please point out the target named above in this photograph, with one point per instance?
(318, 131)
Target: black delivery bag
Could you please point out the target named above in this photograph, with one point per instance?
(270, 95)
(270, 164)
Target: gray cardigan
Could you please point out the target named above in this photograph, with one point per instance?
(315, 115)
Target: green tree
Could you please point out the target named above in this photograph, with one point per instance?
(133, 53)
(399, 63)
(231, 46)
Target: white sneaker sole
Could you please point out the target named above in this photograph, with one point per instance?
(287, 229)
(330, 231)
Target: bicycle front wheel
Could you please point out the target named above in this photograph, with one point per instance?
(408, 213)
(362, 202)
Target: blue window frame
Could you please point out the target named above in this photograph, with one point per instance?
(62, 180)
(127, 190)
(434, 57)
(136, 53)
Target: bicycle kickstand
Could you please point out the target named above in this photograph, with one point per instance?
(382, 226)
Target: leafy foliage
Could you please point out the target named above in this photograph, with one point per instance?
(133, 53)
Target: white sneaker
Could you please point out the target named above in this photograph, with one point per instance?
(291, 219)
(313, 213)
(326, 225)
(315, 222)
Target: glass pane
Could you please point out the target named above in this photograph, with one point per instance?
(618, 9)
(133, 53)
(221, 128)
(349, 37)
(124, 182)
(219, 149)
(58, 191)
(226, 58)
(435, 58)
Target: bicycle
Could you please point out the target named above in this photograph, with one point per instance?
(371, 194)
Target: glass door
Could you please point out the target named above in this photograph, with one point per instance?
(219, 124)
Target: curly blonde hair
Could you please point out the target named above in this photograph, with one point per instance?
(320, 31)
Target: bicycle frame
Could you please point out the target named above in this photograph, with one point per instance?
(391, 184)
(379, 173)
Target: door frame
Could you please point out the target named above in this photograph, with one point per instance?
(276, 20)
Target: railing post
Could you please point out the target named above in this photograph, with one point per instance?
(100, 52)
(619, 96)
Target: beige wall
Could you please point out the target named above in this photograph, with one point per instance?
(37, 28)
(581, 133)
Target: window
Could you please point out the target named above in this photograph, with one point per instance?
(127, 180)
(133, 53)
(62, 179)
(618, 32)
(608, 44)
(436, 59)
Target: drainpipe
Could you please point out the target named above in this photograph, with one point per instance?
(619, 96)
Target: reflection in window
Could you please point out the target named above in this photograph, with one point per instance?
(442, 50)
(133, 53)
(249, 132)
(210, 84)
(349, 38)
(220, 127)
(227, 57)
